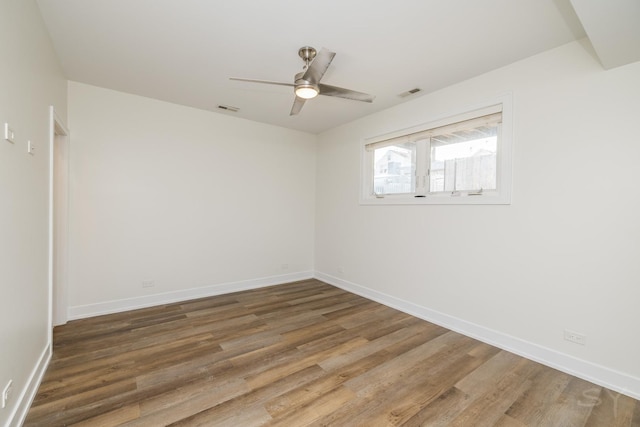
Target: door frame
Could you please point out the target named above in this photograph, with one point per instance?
(58, 218)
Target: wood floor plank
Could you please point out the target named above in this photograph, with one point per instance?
(114, 418)
(70, 409)
(570, 408)
(441, 377)
(232, 410)
(408, 355)
(311, 411)
(507, 421)
(254, 415)
(531, 406)
(442, 410)
(274, 373)
(486, 410)
(183, 373)
(297, 354)
(183, 402)
(305, 393)
(389, 385)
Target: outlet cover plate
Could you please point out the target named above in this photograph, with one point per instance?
(575, 337)
(148, 283)
(8, 133)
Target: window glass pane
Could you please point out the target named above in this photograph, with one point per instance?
(395, 169)
(464, 160)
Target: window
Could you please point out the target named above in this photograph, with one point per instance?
(395, 168)
(461, 159)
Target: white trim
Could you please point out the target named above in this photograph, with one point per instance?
(27, 395)
(597, 374)
(116, 306)
(56, 127)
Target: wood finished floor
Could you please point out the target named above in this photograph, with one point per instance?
(299, 354)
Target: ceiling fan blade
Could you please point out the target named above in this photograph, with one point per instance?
(297, 105)
(318, 66)
(329, 90)
(261, 81)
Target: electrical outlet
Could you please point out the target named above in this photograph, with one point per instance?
(575, 337)
(6, 393)
(148, 283)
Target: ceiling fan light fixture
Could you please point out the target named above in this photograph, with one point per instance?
(306, 84)
(305, 91)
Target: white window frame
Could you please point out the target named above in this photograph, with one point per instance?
(502, 195)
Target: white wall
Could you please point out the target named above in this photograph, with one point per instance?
(30, 81)
(199, 202)
(564, 254)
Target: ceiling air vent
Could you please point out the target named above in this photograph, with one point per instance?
(229, 108)
(409, 92)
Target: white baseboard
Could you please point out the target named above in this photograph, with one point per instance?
(588, 371)
(28, 393)
(116, 306)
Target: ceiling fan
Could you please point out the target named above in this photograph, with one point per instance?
(307, 83)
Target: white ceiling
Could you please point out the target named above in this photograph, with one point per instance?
(184, 51)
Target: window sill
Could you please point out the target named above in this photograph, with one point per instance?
(444, 199)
